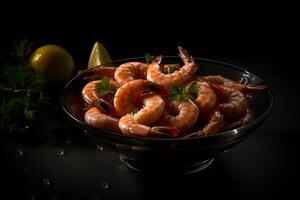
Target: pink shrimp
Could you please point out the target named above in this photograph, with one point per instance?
(128, 98)
(90, 94)
(220, 80)
(129, 126)
(182, 114)
(206, 98)
(246, 118)
(233, 106)
(130, 71)
(155, 74)
(215, 123)
(139, 123)
(96, 118)
(234, 102)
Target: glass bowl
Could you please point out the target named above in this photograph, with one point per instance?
(172, 155)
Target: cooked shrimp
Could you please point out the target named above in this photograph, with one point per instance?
(155, 74)
(130, 71)
(183, 114)
(139, 123)
(133, 99)
(215, 123)
(220, 80)
(206, 97)
(152, 109)
(90, 94)
(234, 103)
(129, 126)
(98, 73)
(96, 118)
(244, 119)
(128, 98)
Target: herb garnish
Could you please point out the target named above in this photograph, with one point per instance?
(149, 58)
(23, 98)
(22, 49)
(181, 93)
(170, 68)
(103, 87)
(167, 68)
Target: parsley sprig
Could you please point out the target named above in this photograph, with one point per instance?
(103, 87)
(170, 68)
(149, 58)
(183, 93)
(22, 49)
(167, 68)
(23, 97)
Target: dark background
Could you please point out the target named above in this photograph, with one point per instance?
(261, 39)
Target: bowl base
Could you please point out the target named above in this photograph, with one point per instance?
(165, 169)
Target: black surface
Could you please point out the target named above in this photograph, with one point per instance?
(265, 165)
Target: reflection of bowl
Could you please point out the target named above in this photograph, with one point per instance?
(172, 155)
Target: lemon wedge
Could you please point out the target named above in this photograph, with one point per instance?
(99, 56)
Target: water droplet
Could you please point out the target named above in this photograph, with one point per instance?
(68, 141)
(100, 148)
(96, 198)
(105, 185)
(85, 131)
(60, 152)
(46, 182)
(20, 152)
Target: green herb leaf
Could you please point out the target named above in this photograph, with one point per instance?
(192, 89)
(29, 114)
(180, 93)
(189, 96)
(103, 87)
(174, 90)
(149, 58)
(171, 68)
(175, 97)
(19, 76)
(23, 48)
(23, 98)
(175, 93)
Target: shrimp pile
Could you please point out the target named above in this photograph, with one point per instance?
(139, 99)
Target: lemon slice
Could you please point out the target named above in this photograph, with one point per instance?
(99, 56)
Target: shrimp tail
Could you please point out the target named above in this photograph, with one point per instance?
(215, 123)
(156, 131)
(104, 106)
(222, 81)
(220, 90)
(152, 88)
(186, 58)
(253, 87)
(244, 119)
(195, 134)
(157, 60)
(165, 131)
